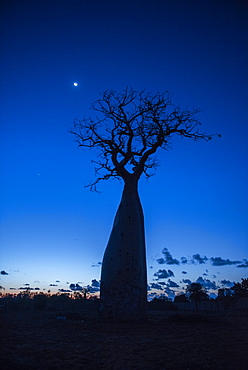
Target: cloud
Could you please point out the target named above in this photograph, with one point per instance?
(169, 292)
(64, 290)
(92, 289)
(37, 288)
(53, 285)
(197, 258)
(95, 283)
(227, 283)
(76, 287)
(184, 260)
(244, 263)
(207, 283)
(26, 288)
(155, 286)
(204, 282)
(163, 274)
(168, 259)
(186, 281)
(4, 273)
(218, 261)
(184, 272)
(57, 281)
(172, 284)
(150, 296)
(161, 261)
(96, 264)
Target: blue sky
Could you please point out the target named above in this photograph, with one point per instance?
(53, 230)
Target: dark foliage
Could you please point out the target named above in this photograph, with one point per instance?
(196, 292)
(39, 301)
(158, 304)
(181, 298)
(241, 289)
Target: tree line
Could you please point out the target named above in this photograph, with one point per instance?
(194, 292)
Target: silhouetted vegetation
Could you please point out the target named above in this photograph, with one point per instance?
(39, 301)
(61, 302)
(240, 289)
(181, 298)
(196, 293)
(228, 296)
(161, 304)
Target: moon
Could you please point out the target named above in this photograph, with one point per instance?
(75, 84)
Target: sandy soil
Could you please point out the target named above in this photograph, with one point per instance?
(37, 340)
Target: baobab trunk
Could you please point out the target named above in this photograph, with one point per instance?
(124, 279)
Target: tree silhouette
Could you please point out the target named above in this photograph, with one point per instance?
(240, 289)
(181, 298)
(225, 297)
(131, 127)
(196, 293)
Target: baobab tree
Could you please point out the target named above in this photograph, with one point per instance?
(128, 129)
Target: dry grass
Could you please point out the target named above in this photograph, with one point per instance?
(34, 340)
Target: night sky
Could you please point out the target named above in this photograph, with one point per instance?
(53, 230)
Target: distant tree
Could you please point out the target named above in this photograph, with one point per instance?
(225, 297)
(196, 293)
(82, 294)
(161, 304)
(85, 291)
(224, 292)
(39, 301)
(181, 298)
(127, 132)
(77, 295)
(1, 288)
(240, 289)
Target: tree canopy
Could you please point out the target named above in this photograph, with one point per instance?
(241, 289)
(196, 292)
(128, 129)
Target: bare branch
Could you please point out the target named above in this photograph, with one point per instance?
(132, 126)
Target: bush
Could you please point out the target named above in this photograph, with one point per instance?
(158, 304)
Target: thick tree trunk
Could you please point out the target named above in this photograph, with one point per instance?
(124, 278)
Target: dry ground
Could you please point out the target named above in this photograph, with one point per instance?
(34, 340)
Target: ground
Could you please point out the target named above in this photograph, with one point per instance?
(37, 339)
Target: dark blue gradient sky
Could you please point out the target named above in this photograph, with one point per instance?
(52, 228)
